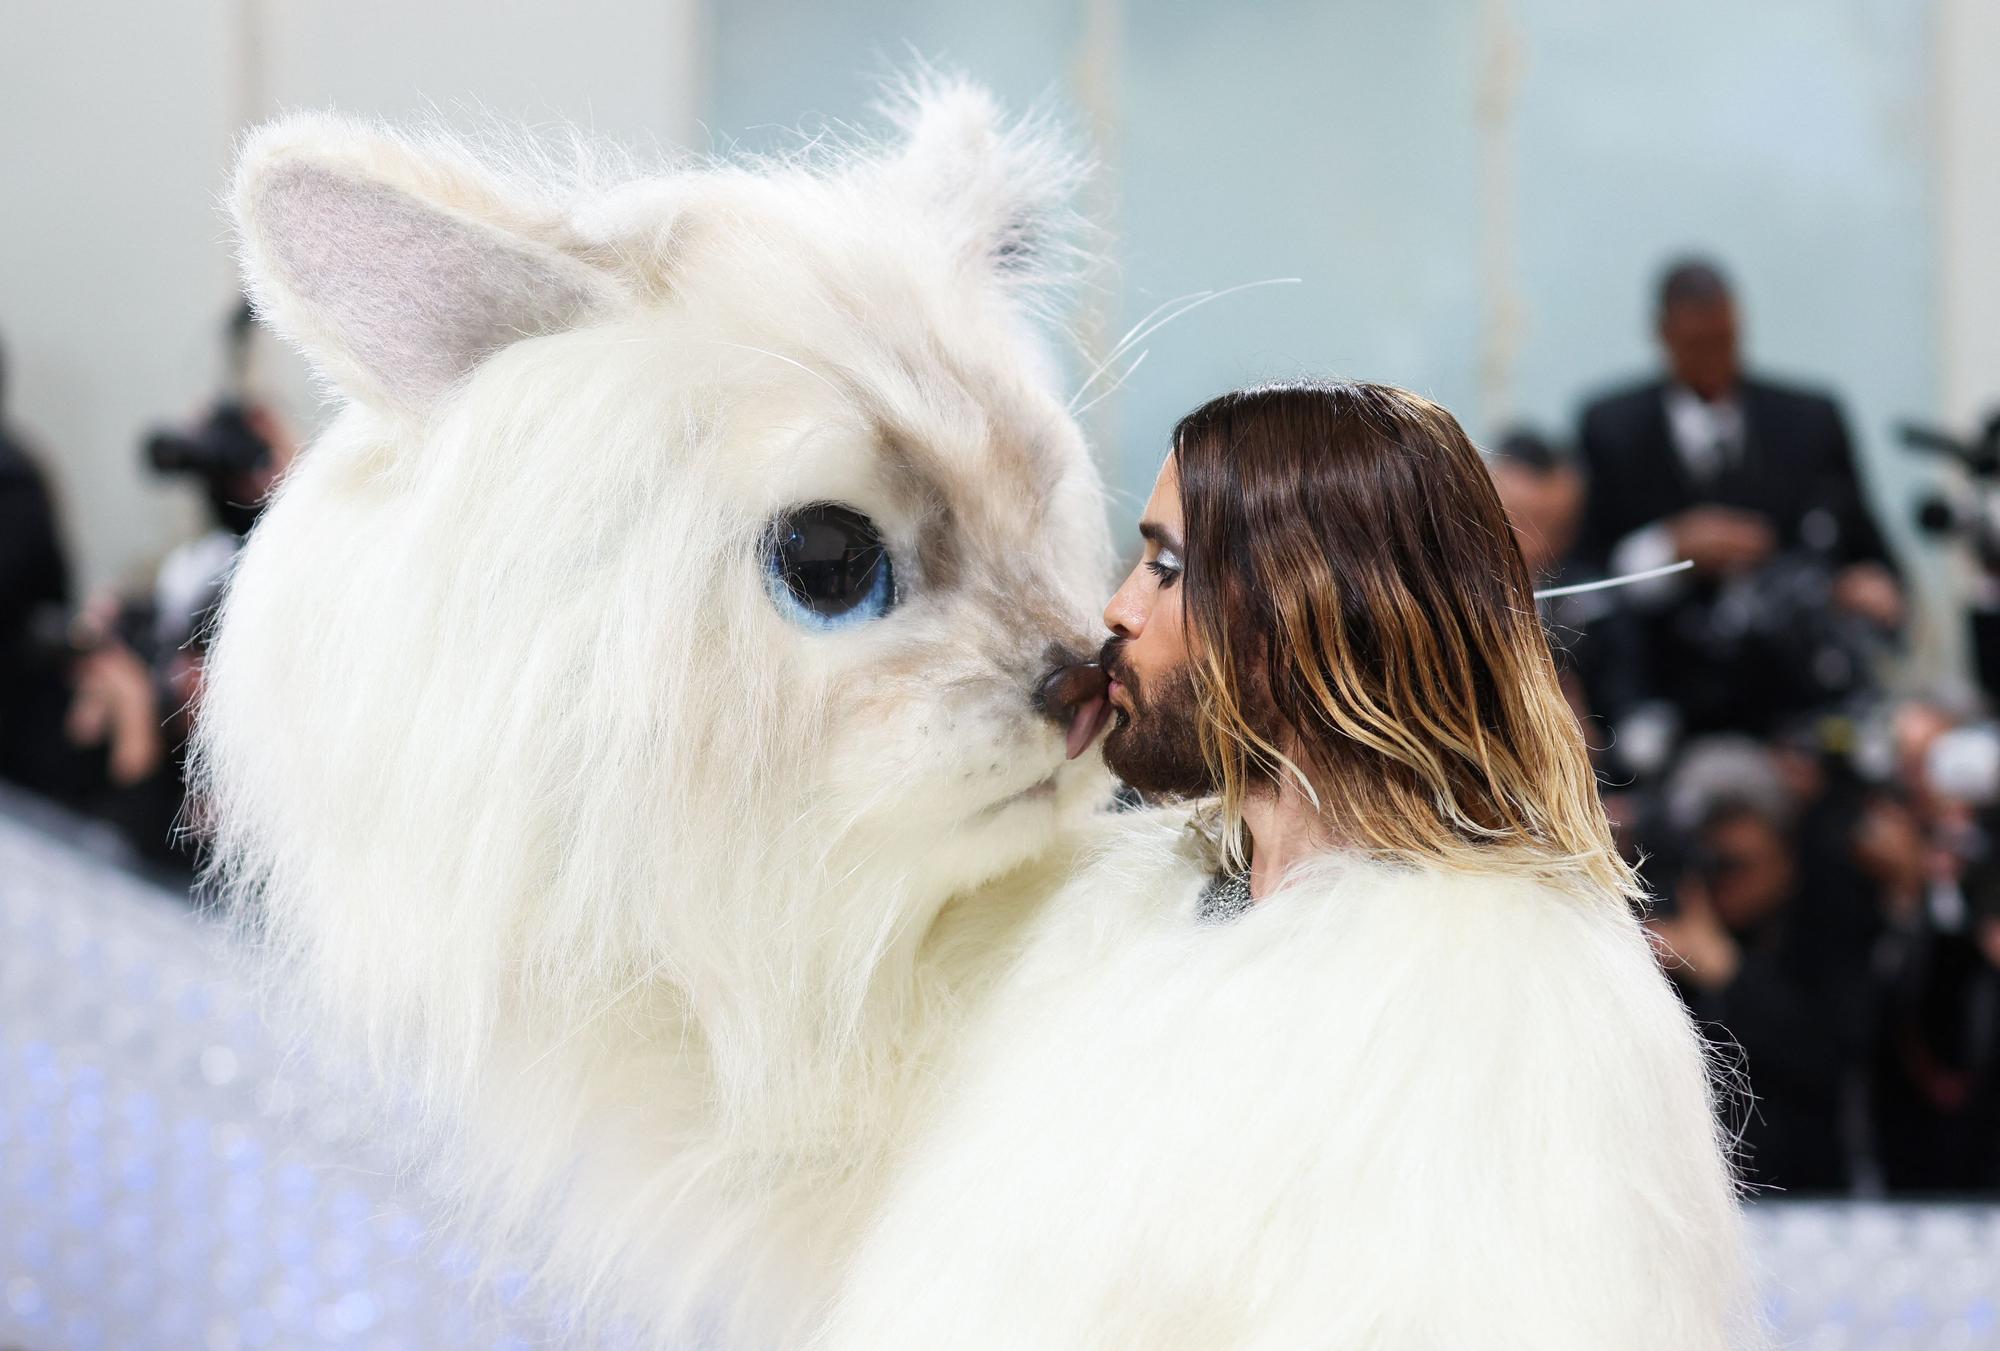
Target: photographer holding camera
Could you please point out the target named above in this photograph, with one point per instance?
(1793, 587)
(127, 671)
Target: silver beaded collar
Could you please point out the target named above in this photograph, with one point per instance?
(1225, 896)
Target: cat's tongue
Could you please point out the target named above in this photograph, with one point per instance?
(1088, 722)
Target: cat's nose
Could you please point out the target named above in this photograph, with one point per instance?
(1072, 697)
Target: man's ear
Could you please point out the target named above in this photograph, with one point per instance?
(397, 266)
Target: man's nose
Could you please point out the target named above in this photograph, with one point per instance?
(1071, 696)
(1123, 614)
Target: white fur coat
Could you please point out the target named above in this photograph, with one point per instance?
(1385, 1108)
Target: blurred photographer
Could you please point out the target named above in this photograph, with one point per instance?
(1599, 655)
(1761, 944)
(1793, 588)
(237, 449)
(136, 663)
(1931, 845)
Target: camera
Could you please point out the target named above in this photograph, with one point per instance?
(225, 451)
(1782, 618)
(1972, 516)
(223, 445)
(1977, 522)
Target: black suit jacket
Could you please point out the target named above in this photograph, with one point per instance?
(1797, 470)
(34, 575)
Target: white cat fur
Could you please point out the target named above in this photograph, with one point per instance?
(698, 936)
(526, 785)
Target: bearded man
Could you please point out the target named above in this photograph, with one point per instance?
(1362, 1046)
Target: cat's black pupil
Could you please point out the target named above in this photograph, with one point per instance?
(829, 557)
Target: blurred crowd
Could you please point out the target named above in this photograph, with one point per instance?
(98, 692)
(1823, 842)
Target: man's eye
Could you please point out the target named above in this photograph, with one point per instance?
(1166, 567)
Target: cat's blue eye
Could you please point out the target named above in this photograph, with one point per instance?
(826, 566)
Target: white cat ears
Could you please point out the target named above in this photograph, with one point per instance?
(1006, 187)
(398, 264)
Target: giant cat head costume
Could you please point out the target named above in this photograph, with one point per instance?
(620, 691)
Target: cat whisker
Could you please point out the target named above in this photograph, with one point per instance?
(1150, 325)
(780, 356)
(1114, 386)
(1125, 341)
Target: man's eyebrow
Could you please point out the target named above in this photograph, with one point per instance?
(1160, 535)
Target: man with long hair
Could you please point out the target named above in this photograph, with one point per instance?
(1356, 1040)
(1333, 633)
(1333, 648)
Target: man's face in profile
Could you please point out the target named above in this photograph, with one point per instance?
(1154, 743)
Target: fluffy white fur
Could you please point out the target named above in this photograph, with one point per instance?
(528, 787)
(674, 916)
(1387, 1109)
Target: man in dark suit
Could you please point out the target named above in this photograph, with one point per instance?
(1755, 483)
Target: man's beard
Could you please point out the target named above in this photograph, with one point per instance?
(1156, 747)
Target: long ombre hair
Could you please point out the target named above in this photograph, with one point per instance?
(1353, 588)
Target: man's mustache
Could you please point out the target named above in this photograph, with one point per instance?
(1108, 658)
(1111, 661)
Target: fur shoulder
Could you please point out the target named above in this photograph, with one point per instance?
(1388, 1108)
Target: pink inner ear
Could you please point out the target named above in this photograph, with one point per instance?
(408, 296)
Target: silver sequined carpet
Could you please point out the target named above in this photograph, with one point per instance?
(167, 1182)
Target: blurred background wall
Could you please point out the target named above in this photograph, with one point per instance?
(1475, 194)
(120, 115)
